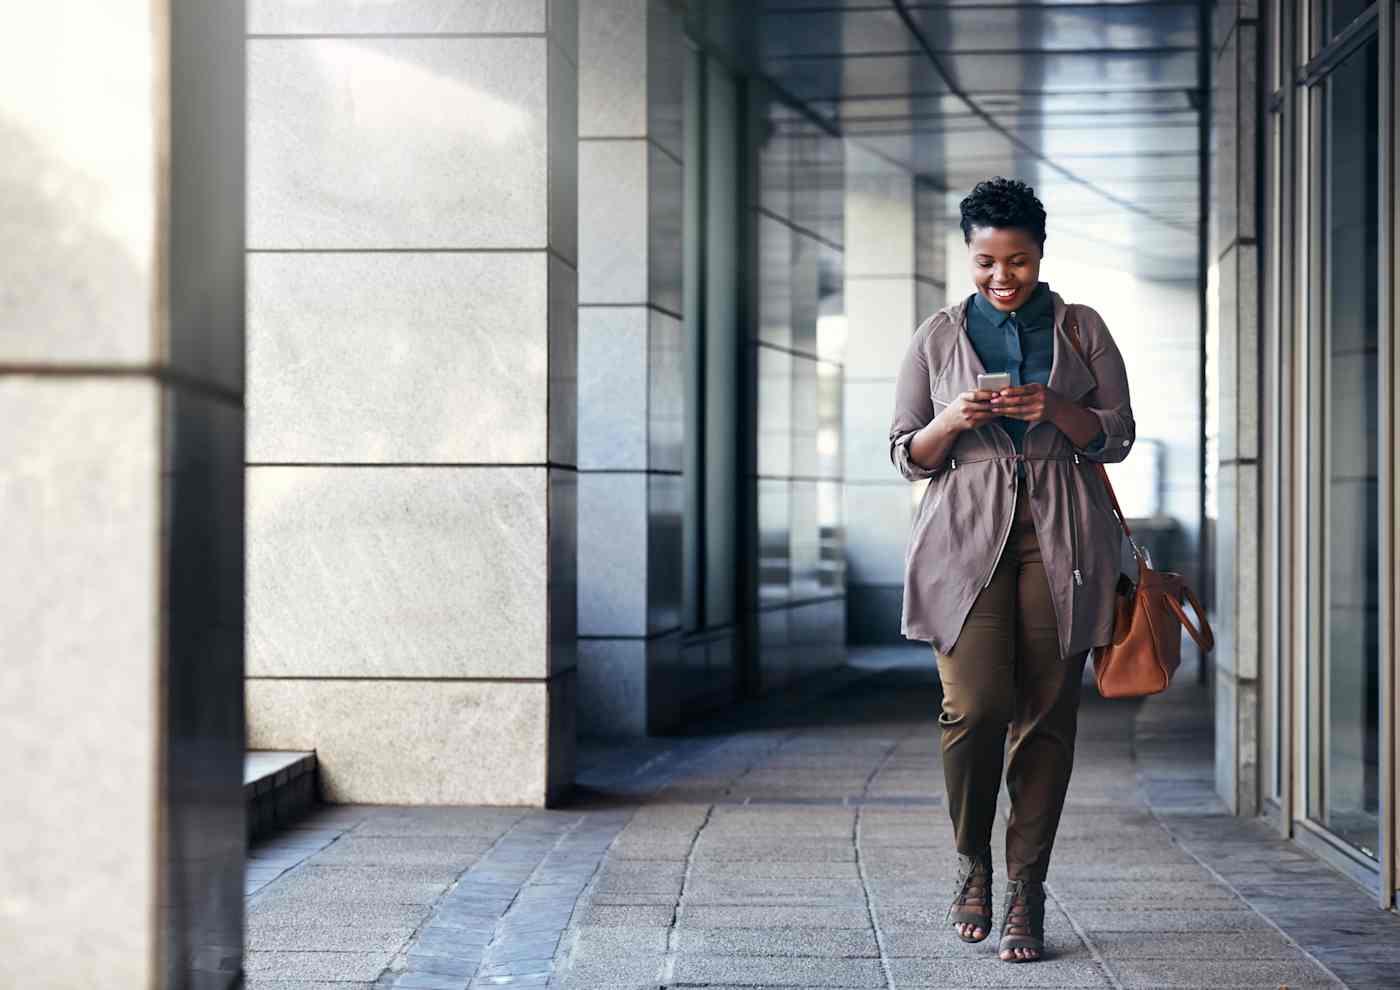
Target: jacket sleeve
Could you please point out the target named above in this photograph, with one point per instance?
(913, 408)
(1111, 402)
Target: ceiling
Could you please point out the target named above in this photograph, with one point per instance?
(1094, 104)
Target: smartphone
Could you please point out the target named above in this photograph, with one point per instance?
(994, 382)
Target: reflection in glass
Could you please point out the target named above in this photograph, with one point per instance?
(1337, 14)
(1345, 795)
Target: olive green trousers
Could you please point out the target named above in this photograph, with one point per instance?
(1005, 677)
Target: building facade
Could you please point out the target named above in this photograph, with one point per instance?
(1317, 237)
(428, 385)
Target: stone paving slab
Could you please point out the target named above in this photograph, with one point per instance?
(805, 844)
(1216, 974)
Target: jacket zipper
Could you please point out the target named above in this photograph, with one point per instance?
(1074, 556)
(1010, 523)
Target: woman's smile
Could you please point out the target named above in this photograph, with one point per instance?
(1004, 294)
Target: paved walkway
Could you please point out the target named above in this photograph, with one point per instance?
(805, 843)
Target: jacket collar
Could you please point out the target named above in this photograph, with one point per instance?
(1037, 307)
(1069, 375)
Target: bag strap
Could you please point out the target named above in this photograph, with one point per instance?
(1072, 322)
(1204, 636)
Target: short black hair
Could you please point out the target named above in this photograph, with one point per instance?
(1003, 203)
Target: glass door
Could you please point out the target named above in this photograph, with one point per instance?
(1344, 455)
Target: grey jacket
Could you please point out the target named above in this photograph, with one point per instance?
(965, 515)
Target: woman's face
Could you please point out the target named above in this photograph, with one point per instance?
(1005, 265)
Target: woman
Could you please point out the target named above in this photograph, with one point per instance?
(1014, 557)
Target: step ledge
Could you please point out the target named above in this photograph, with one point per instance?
(265, 770)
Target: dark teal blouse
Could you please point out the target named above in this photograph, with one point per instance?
(1021, 342)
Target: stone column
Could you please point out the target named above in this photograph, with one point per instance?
(412, 396)
(632, 64)
(891, 285)
(1235, 259)
(121, 487)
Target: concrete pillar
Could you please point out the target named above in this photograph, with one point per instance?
(894, 279)
(1235, 258)
(632, 65)
(412, 396)
(798, 342)
(121, 463)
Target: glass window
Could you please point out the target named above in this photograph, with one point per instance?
(1338, 14)
(1346, 688)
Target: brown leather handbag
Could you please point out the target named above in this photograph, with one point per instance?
(1148, 617)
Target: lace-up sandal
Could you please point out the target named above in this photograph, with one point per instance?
(972, 899)
(1023, 925)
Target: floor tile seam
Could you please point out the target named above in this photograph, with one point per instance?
(669, 960)
(870, 909)
(1083, 936)
(407, 946)
(250, 899)
(563, 950)
(1228, 885)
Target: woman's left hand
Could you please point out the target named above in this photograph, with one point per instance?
(1033, 403)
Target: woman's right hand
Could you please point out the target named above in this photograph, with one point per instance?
(970, 410)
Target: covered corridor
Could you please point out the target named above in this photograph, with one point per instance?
(803, 842)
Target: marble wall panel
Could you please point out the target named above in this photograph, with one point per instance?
(400, 357)
(563, 362)
(561, 758)
(613, 679)
(869, 406)
(804, 542)
(774, 412)
(665, 535)
(409, 571)
(877, 530)
(806, 282)
(929, 298)
(613, 383)
(830, 432)
(562, 581)
(613, 222)
(399, 17)
(880, 319)
(412, 742)
(665, 230)
(666, 360)
(1227, 356)
(1227, 750)
(774, 540)
(74, 200)
(1248, 395)
(613, 84)
(612, 554)
(667, 54)
(879, 216)
(805, 425)
(774, 281)
(397, 143)
(205, 281)
(81, 485)
(831, 522)
(775, 154)
(562, 128)
(203, 829)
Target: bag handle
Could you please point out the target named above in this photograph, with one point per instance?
(1204, 636)
(1072, 322)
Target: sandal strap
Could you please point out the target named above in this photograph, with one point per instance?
(1025, 908)
(972, 868)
